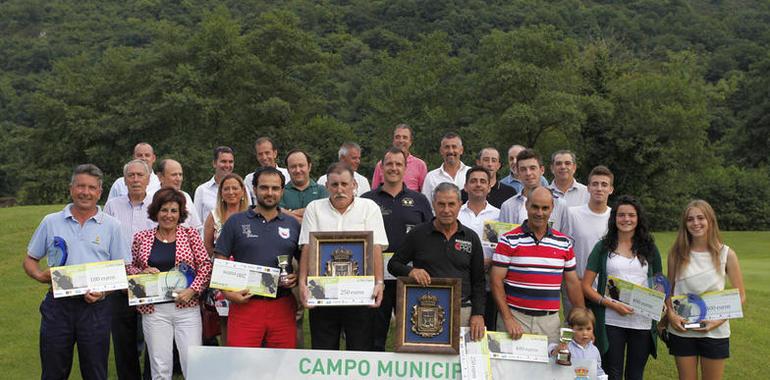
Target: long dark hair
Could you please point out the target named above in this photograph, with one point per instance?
(642, 244)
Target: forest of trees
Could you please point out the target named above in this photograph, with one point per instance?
(673, 96)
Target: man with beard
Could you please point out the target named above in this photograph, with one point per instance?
(452, 170)
(258, 236)
(343, 212)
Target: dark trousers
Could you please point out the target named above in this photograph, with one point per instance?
(382, 315)
(327, 323)
(67, 321)
(125, 332)
(632, 345)
(490, 313)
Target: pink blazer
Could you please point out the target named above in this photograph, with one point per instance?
(189, 249)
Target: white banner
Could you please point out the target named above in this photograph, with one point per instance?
(227, 363)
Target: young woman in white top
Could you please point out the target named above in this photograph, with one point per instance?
(698, 262)
(624, 338)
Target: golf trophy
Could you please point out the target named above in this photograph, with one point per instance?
(283, 263)
(563, 356)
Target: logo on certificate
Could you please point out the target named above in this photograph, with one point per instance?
(283, 232)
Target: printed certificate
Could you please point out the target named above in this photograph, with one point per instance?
(152, 288)
(474, 356)
(530, 347)
(725, 304)
(234, 276)
(340, 290)
(74, 280)
(645, 301)
(493, 229)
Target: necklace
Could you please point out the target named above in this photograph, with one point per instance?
(166, 238)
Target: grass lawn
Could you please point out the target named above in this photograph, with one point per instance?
(20, 319)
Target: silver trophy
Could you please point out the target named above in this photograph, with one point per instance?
(283, 263)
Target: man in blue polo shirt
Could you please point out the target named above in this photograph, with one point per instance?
(91, 236)
(258, 236)
(401, 209)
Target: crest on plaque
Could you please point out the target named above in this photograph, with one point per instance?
(341, 263)
(428, 317)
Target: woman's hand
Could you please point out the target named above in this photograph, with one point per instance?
(619, 307)
(676, 321)
(150, 270)
(185, 296)
(710, 325)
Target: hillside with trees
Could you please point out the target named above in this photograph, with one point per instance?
(673, 96)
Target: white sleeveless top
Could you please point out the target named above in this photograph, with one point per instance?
(700, 276)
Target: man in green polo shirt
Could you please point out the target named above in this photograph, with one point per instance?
(301, 190)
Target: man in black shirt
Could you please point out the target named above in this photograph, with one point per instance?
(489, 158)
(401, 209)
(445, 248)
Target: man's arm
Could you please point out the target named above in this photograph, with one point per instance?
(574, 291)
(496, 277)
(31, 266)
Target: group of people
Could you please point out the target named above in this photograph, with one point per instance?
(568, 241)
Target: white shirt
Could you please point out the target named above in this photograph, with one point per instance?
(119, 187)
(362, 215)
(631, 271)
(206, 198)
(132, 217)
(193, 221)
(514, 210)
(439, 175)
(586, 228)
(576, 195)
(363, 183)
(475, 222)
(250, 178)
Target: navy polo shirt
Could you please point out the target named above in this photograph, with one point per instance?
(248, 238)
(400, 213)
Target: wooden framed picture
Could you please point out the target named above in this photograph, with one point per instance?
(341, 253)
(428, 317)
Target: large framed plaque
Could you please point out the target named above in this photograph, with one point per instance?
(428, 317)
(341, 253)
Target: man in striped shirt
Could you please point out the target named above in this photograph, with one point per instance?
(526, 277)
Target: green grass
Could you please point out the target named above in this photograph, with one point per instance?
(20, 319)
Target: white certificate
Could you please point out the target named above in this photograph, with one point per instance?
(151, 288)
(340, 290)
(645, 301)
(474, 357)
(530, 347)
(100, 276)
(492, 230)
(725, 304)
(234, 276)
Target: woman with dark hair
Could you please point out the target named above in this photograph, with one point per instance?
(628, 252)
(698, 262)
(162, 249)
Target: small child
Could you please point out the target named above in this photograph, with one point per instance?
(581, 321)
